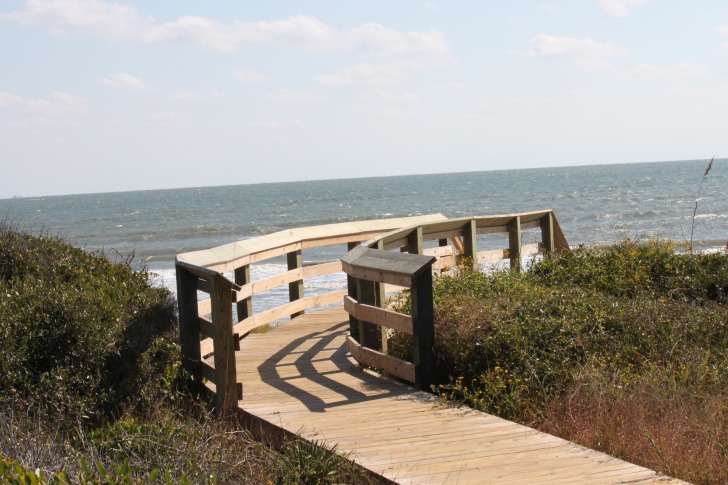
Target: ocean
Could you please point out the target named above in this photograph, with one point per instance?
(593, 204)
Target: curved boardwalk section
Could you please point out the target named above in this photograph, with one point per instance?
(301, 377)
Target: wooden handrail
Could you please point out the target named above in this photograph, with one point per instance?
(208, 334)
(212, 318)
(367, 345)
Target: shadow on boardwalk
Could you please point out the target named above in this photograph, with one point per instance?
(298, 379)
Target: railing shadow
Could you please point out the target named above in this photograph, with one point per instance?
(304, 364)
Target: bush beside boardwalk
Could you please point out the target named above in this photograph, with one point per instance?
(624, 350)
(91, 389)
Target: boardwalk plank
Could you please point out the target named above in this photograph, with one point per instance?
(298, 377)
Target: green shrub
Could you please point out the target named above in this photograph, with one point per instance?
(74, 326)
(639, 322)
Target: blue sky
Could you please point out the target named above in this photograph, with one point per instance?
(100, 96)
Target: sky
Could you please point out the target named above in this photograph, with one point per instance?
(100, 96)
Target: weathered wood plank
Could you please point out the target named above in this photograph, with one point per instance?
(189, 325)
(207, 328)
(368, 313)
(287, 309)
(491, 255)
(230, 256)
(222, 321)
(401, 434)
(244, 306)
(391, 365)
(295, 288)
(514, 243)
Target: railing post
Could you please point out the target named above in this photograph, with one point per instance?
(351, 287)
(423, 351)
(380, 298)
(245, 307)
(226, 387)
(547, 234)
(514, 243)
(189, 320)
(414, 241)
(369, 334)
(470, 243)
(295, 289)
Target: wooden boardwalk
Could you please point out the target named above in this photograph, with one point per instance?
(298, 378)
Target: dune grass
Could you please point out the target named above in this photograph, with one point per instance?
(91, 387)
(624, 350)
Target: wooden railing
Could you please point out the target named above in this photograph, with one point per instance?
(463, 233)
(368, 270)
(210, 330)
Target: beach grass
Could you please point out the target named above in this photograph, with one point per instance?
(623, 349)
(92, 389)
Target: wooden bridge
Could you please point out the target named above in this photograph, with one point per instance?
(306, 377)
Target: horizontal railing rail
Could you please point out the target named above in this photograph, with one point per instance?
(372, 325)
(211, 326)
(368, 269)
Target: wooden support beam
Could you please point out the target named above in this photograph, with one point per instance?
(245, 306)
(351, 291)
(369, 334)
(222, 318)
(423, 327)
(295, 289)
(391, 365)
(470, 243)
(379, 299)
(414, 241)
(189, 323)
(514, 243)
(547, 234)
(397, 321)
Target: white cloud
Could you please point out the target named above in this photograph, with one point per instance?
(169, 124)
(58, 104)
(552, 9)
(378, 39)
(371, 74)
(189, 96)
(294, 95)
(279, 125)
(682, 69)
(722, 30)
(119, 22)
(7, 99)
(585, 52)
(388, 96)
(106, 19)
(251, 77)
(124, 81)
(619, 8)
(454, 85)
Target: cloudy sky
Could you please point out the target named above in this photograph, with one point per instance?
(100, 96)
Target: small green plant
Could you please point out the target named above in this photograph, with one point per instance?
(311, 462)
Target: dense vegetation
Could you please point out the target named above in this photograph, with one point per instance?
(624, 350)
(91, 389)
